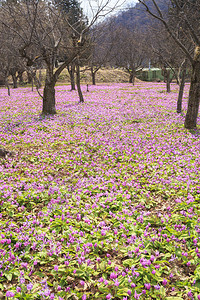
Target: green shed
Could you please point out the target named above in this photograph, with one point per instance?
(152, 74)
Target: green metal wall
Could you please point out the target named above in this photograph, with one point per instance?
(153, 74)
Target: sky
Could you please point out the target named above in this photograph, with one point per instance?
(94, 4)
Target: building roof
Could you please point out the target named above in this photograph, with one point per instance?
(151, 69)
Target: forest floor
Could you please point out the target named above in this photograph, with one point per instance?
(100, 201)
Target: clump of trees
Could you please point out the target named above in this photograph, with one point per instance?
(40, 32)
(182, 24)
(43, 32)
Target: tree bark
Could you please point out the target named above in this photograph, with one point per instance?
(37, 81)
(78, 83)
(14, 78)
(166, 74)
(40, 76)
(168, 85)
(194, 94)
(93, 73)
(71, 70)
(130, 77)
(29, 77)
(49, 93)
(32, 85)
(7, 85)
(133, 80)
(20, 76)
(181, 88)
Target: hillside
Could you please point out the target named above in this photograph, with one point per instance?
(137, 16)
(104, 75)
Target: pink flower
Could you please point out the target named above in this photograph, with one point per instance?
(164, 282)
(157, 266)
(157, 287)
(116, 282)
(10, 294)
(98, 259)
(136, 295)
(190, 294)
(55, 268)
(147, 286)
(113, 275)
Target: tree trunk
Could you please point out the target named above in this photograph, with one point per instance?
(14, 78)
(40, 77)
(7, 85)
(181, 88)
(133, 80)
(32, 85)
(49, 94)
(168, 81)
(20, 76)
(93, 73)
(71, 70)
(78, 83)
(131, 77)
(168, 85)
(166, 74)
(38, 83)
(194, 94)
(29, 77)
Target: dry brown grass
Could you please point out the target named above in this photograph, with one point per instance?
(104, 75)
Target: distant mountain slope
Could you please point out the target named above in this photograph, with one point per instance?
(137, 15)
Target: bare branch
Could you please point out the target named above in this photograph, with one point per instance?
(181, 45)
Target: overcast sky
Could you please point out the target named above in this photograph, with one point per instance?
(121, 4)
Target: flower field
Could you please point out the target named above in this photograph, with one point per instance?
(102, 200)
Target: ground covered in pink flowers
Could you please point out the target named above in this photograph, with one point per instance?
(101, 201)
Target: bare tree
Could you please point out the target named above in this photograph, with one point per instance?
(183, 25)
(103, 40)
(167, 54)
(130, 50)
(10, 63)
